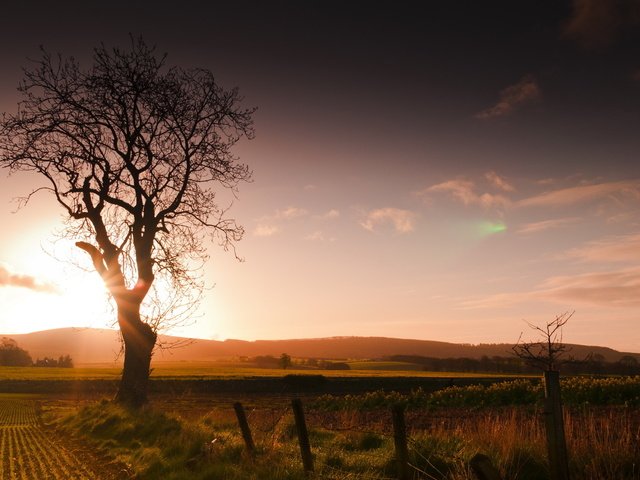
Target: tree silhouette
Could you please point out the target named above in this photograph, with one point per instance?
(285, 361)
(133, 150)
(546, 353)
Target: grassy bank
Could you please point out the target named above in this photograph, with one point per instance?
(354, 442)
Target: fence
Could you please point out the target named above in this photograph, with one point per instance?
(404, 446)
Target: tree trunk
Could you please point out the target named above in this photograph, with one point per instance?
(139, 340)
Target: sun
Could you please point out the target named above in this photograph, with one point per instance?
(62, 294)
(66, 291)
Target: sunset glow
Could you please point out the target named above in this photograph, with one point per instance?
(443, 174)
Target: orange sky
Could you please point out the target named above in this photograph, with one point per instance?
(416, 174)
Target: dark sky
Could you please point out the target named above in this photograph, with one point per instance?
(358, 72)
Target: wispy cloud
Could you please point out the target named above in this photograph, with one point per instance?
(402, 220)
(319, 236)
(499, 182)
(330, 214)
(264, 230)
(544, 225)
(498, 300)
(512, 98)
(583, 193)
(605, 289)
(546, 181)
(289, 213)
(465, 192)
(619, 288)
(10, 279)
(268, 224)
(595, 24)
(618, 248)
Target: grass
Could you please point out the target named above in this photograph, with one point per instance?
(349, 443)
(370, 365)
(225, 370)
(54, 373)
(158, 445)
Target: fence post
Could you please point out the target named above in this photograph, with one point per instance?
(400, 441)
(303, 435)
(483, 468)
(554, 426)
(244, 427)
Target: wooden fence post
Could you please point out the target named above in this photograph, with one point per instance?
(244, 427)
(400, 441)
(303, 435)
(483, 468)
(554, 426)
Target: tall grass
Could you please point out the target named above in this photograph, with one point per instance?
(352, 442)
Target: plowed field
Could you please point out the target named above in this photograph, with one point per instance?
(29, 451)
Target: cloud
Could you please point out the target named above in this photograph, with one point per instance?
(290, 212)
(601, 289)
(464, 191)
(618, 248)
(264, 230)
(498, 300)
(266, 224)
(319, 236)
(583, 193)
(330, 215)
(9, 279)
(315, 236)
(402, 220)
(543, 225)
(513, 97)
(596, 24)
(545, 181)
(499, 182)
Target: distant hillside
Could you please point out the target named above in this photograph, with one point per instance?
(88, 345)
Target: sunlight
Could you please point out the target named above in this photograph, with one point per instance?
(72, 297)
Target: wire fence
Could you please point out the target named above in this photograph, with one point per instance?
(365, 435)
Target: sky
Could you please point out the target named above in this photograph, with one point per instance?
(434, 170)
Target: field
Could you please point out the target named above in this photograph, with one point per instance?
(30, 451)
(226, 370)
(233, 378)
(194, 434)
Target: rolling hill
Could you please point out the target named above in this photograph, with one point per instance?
(90, 346)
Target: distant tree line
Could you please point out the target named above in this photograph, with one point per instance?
(11, 355)
(593, 364)
(63, 361)
(285, 361)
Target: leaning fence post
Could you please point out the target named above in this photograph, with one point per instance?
(554, 426)
(483, 468)
(303, 435)
(244, 427)
(400, 441)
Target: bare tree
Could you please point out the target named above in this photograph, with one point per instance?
(133, 151)
(545, 353)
